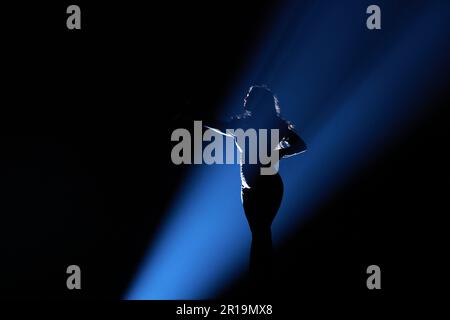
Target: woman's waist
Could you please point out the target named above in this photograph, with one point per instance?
(251, 175)
(259, 169)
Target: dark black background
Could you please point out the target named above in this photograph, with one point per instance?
(85, 170)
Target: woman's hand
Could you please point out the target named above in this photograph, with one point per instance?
(291, 145)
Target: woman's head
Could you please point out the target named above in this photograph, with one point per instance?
(260, 97)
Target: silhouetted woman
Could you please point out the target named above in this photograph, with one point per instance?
(261, 194)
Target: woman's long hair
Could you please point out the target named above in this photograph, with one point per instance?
(259, 100)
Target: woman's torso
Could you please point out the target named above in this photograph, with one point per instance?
(267, 135)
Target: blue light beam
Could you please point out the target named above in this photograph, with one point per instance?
(350, 92)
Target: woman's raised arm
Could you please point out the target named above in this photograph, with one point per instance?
(219, 126)
(291, 144)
